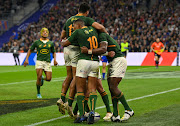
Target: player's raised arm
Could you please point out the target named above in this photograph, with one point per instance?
(99, 27)
(63, 34)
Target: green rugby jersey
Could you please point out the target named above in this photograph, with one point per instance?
(43, 50)
(112, 45)
(68, 27)
(87, 36)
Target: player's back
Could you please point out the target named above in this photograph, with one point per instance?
(87, 36)
(68, 27)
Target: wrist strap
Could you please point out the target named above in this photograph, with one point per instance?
(89, 51)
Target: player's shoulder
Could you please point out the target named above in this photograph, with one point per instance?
(72, 18)
(50, 41)
(102, 34)
(37, 41)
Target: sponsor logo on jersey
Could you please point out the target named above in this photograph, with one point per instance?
(40, 46)
(49, 45)
(86, 31)
(44, 51)
(90, 30)
(73, 19)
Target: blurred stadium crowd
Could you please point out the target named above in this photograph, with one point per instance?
(125, 20)
(10, 6)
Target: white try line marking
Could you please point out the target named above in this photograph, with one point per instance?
(53, 80)
(133, 99)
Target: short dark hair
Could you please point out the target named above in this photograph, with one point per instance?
(84, 7)
(80, 21)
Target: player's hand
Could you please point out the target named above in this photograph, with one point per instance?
(26, 62)
(111, 54)
(155, 51)
(55, 63)
(84, 49)
(162, 50)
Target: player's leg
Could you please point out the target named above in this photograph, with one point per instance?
(113, 83)
(80, 84)
(64, 89)
(72, 92)
(48, 76)
(105, 99)
(156, 60)
(69, 77)
(92, 84)
(81, 75)
(87, 108)
(103, 70)
(66, 82)
(39, 81)
(14, 55)
(74, 59)
(116, 72)
(18, 59)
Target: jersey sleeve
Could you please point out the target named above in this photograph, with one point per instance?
(33, 46)
(102, 37)
(90, 21)
(73, 38)
(152, 45)
(162, 45)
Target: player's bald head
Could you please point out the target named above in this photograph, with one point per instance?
(79, 22)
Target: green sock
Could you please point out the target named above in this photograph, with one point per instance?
(115, 106)
(80, 101)
(123, 101)
(75, 109)
(63, 97)
(38, 89)
(93, 98)
(70, 101)
(86, 105)
(106, 101)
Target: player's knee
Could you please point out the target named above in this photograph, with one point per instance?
(39, 78)
(112, 88)
(70, 76)
(48, 79)
(72, 86)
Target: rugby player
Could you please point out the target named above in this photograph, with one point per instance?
(104, 63)
(116, 71)
(157, 47)
(44, 47)
(71, 54)
(87, 67)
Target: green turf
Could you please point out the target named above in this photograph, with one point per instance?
(18, 83)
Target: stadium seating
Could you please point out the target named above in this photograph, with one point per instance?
(125, 20)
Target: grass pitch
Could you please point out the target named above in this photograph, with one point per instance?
(153, 94)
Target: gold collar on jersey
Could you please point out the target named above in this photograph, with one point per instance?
(84, 27)
(79, 14)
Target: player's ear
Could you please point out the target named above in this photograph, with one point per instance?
(87, 13)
